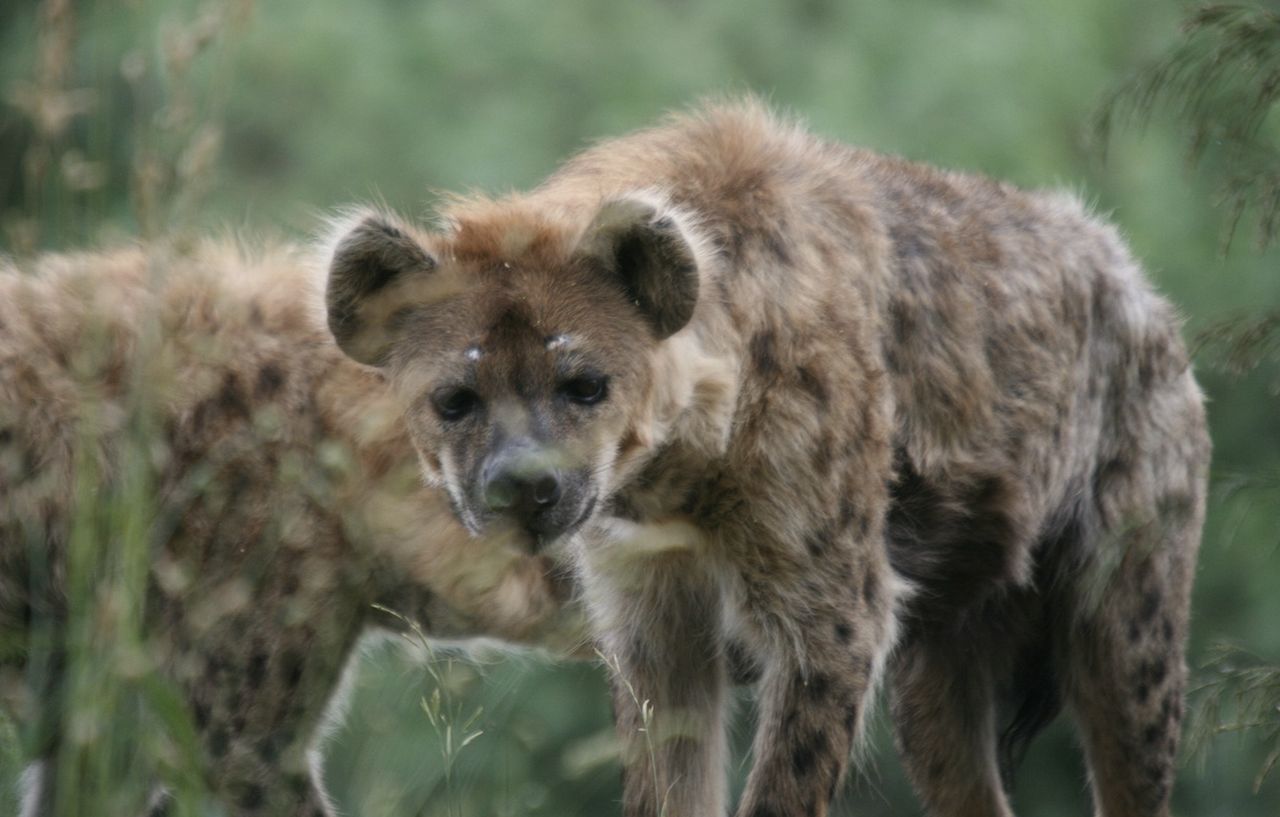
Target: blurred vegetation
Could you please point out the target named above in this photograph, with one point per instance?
(123, 118)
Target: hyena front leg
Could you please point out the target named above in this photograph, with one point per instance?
(659, 620)
(814, 693)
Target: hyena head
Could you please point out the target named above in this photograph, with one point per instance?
(521, 345)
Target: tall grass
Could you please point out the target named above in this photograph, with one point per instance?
(121, 728)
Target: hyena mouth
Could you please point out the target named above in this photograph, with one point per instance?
(541, 540)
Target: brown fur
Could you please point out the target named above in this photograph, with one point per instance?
(915, 420)
(286, 500)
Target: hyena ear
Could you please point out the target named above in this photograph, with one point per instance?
(366, 261)
(652, 255)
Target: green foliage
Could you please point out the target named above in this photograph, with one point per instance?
(148, 117)
(1221, 82)
(1240, 693)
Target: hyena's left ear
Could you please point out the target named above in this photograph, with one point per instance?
(653, 256)
(368, 259)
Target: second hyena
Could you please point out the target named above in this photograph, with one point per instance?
(272, 500)
(806, 412)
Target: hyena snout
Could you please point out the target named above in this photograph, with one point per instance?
(524, 485)
(523, 495)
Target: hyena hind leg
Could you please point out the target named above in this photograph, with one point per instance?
(944, 719)
(1127, 673)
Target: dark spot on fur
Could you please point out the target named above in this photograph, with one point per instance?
(299, 785)
(843, 632)
(804, 757)
(822, 454)
(764, 353)
(1151, 735)
(201, 713)
(851, 721)
(819, 541)
(777, 246)
(734, 241)
(907, 244)
(1150, 604)
(231, 399)
(1166, 630)
(270, 378)
(257, 670)
(1152, 673)
(215, 665)
(803, 760)
(870, 588)
(218, 742)
(291, 667)
(847, 513)
(902, 323)
(252, 797)
(6, 436)
(269, 749)
(813, 385)
(1142, 692)
(818, 687)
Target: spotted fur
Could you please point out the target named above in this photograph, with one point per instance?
(916, 422)
(286, 503)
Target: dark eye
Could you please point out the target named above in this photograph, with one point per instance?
(454, 404)
(586, 390)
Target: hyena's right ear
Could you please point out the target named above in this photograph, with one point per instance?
(360, 297)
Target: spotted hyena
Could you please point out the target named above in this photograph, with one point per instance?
(280, 501)
(804, 413)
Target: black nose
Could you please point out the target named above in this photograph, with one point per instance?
(523, 494)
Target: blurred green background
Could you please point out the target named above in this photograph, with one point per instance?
(125, 118)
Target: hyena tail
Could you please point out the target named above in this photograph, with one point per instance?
(1036, 694)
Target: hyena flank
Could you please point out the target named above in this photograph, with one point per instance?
(807, 413)
(283, 502)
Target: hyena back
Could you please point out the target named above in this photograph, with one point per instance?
(285, 502)
(808, 414)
